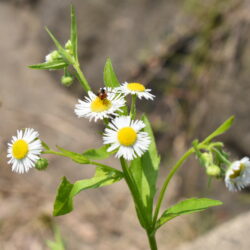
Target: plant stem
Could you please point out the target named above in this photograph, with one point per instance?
(133, 107)
(152, 240)
(166, 182)
(81, 77)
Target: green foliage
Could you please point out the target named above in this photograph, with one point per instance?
(73, 33)
(110, 78)
(76, 157)
(145, 171)
(57, 244)
(45, 146)
(98, 154)
(66, 191)
(66, 56)
(54, 65)
(188, 206)
(220, 130)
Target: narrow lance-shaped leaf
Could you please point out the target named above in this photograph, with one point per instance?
(73, 32)
(110, 78)
(188, 206)
(58, 64)
(220, 130)
(97, 154)
(145, 170)
(66, 191)
(60, 48)
(76, 157)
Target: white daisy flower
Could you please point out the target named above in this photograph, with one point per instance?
(123, 134)
(135, 89)
(238, 175)
(24, 150)
(100, 106)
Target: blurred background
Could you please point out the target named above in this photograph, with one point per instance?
(195, 55)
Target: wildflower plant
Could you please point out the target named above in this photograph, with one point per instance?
(129, 137)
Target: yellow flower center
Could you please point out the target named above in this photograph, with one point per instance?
(136, 87)
(237, 172)
(99, 105)
(127, 136)
(20, 149)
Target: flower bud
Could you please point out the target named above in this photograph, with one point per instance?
(68, 45)
(206, 159)
(213, 170)
(41, 164)
(67, 80)
(54, 55)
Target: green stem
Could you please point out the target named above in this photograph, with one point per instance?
(53, 153)
(166, 182)
(81, 77)
(133, 107)
(89, 162)
(152, 241)
(135, 193)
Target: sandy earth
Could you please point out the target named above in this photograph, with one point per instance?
(103, 219)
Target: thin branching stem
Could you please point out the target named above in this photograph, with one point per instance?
(81, 77)
(166, 182)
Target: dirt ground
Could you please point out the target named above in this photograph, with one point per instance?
(104, 219)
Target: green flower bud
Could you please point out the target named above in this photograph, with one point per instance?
(54, 55)
(206, 159)
(68, 47)
(41, 164)
(67, 80)
(213, 170)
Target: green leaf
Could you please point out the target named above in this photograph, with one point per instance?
(66, 192)
(73, 32)
(97, 154)
(60, 48)
(110, 78)
(58, 64)
(220, 130)
(188, 206)
(45, 146)
(145, 171)
(76, 157)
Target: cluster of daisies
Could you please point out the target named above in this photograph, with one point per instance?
(123, 134)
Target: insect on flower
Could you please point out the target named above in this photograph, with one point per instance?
(102, 94)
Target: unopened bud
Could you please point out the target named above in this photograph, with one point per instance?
(54, 55)
(206, 159)
(213, 170)
(41, 164)
(67, 80)
(68, 47)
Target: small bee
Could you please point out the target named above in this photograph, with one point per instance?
(102, 94)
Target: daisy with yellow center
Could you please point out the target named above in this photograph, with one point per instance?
(135, 88)
(238, 175)
(24, 150)
(124, 135)
(98, 108)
